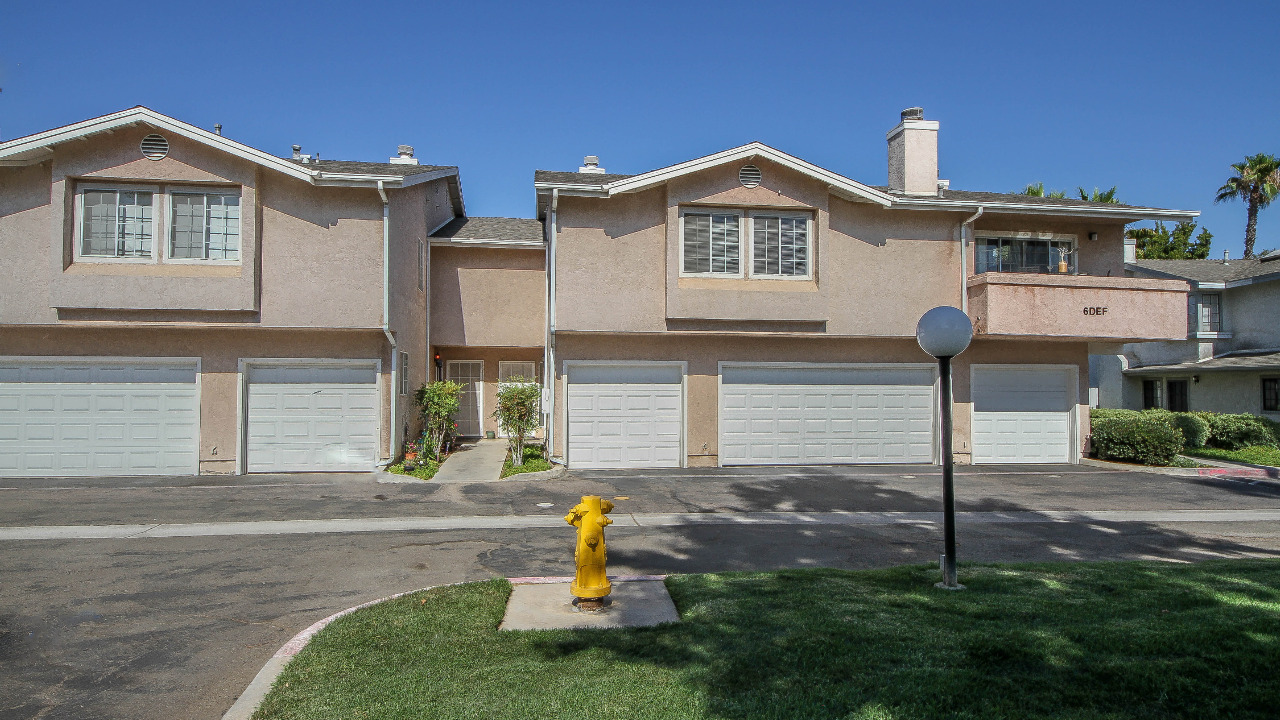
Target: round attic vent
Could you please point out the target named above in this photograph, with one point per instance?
(749, 176)
(155, 147)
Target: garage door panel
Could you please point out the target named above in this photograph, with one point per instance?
(773, 414)
(312, 418)
(625, 416)
(1022, 415)
(98, 417)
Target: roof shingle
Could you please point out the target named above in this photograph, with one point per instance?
(492, 229)
(1214, 271)
(355, 167)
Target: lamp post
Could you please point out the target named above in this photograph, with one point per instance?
(945, 332)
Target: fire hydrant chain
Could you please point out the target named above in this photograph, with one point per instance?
(590, 583)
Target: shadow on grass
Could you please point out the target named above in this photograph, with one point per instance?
(1060, 641)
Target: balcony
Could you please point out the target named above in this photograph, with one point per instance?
(1077, 307)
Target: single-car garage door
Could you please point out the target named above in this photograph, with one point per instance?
(98, 417)
(625, 416)
(312, 418)
(1023, 413)
(802, 415)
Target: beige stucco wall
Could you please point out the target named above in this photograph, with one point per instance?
(1077, 306)
(488, 296)
(703, 353)
(1252, 315)
(490, 356)
(219, 351)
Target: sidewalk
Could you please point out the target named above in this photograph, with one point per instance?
(479, 461)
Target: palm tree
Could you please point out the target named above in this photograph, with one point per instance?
(1256, 182)
(1099, 196)
(1037, 190)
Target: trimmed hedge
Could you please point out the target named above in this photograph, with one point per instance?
(1142, 439)
(1232, 432)
(1274, 427)
(1195, 429)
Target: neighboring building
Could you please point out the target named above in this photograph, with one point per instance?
(1229, 359)
(749, 307)
(173, 301)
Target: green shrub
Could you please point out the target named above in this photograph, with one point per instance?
(1139, 439)
(1274, 427)
(1232, 432)
(1106, 413)
(1195, 429)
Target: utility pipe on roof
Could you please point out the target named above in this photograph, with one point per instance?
(386, 318)
(964, 258)
(549, 352)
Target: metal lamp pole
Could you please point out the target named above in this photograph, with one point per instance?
(945, 332)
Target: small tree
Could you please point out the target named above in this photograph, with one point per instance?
(518, 412)
(439, 401)
(1159, 243)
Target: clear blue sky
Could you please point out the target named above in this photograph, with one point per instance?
(1156, 98)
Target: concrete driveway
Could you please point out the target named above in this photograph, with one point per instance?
(171, 616)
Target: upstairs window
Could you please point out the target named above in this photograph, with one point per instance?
(204, 226)
(1205, 312)
(116, 223)
(1025, 255)
(712, 244)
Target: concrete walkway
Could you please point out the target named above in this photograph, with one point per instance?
(479, 461)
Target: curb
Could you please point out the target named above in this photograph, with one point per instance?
(257, 689)
(556, 472)
(1222, 469)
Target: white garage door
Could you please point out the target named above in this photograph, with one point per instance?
(312, 418)
(800, 415)
(1022, 413)
(625, 416)
(98, 417)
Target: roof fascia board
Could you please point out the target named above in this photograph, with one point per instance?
(657, 177)
(571, 189)
(481, 243)
(1252, 280)
(1128, 213)
(411, 180)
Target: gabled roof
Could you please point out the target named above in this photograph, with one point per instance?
(603, 185)
(1212, 273)
(491, 231)
(34, 148)
(616, 184)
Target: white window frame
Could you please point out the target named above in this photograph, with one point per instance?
(504, 364)
(696, 210)
(808, 239)
(161, 215)
(157, 223)
(169, 192)
(404, 373)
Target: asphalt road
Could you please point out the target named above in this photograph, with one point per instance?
(176, 626)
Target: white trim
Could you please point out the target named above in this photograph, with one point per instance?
(684, 396)
(912, 124)
(742, 152)
(495, 244)
(1073, 387)
(1001, 206)
(243, 365)
(1023, 235)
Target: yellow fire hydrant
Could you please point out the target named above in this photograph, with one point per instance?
(590, 581)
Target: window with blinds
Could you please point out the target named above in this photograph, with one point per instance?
(711, 244)
(205, 226)
(116, 223)
(780, 246)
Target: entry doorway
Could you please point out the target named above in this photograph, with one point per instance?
(470, 375)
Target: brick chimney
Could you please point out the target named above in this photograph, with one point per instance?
(913, 154)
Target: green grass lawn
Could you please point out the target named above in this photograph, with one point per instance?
(1252, 455)
(1070, 641)
(425, 469)
(533, 462)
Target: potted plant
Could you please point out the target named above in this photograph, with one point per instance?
(411, 450)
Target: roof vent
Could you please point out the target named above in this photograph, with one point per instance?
(404, 156)
(155, 147)
(591, 164)
(913, 113)
(749, 176)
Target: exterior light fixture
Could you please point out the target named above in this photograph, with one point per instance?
(945, 332)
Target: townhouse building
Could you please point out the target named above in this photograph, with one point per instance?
(1229, 360)
(749, 307)
(175, 302)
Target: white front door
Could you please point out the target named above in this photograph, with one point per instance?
(1023, 413)
(821, 415)
(470, 375)
(98, 417)
(625, 416)
(312, 418)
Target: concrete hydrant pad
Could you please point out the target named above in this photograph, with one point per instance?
(549, 606)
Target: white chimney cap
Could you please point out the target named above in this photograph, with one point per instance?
(404, 156)
(591, 164)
